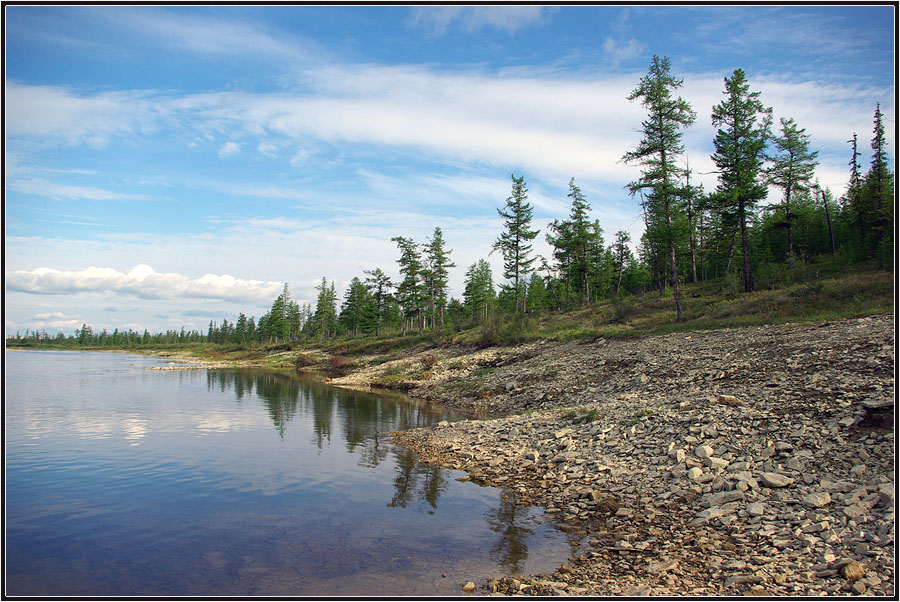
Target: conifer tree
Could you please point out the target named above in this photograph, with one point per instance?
(514, 243)
(354, 307)
(743, 128)
(577, 245)
(879, 188)
(853, 198)
(435, 273)
(479, 289)
(621, 256)
(657, 153)
(410, 291)
(379, 285)
(325, 318)
(792, 169)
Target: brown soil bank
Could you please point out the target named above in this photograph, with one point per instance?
(727, 462)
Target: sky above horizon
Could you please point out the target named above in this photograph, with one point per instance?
(170, 165)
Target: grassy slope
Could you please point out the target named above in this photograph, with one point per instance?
(705, 306)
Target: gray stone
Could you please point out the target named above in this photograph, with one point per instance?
(773, 479)
(724, 497)
(817, 499)
(661, 567)
(716, 463)
(703, 451)
(756, 509)
(855, 510)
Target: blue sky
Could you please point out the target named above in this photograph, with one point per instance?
(170, 165)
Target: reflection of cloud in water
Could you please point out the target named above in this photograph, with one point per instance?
(135, 429)
(92, 427)
(216, 424)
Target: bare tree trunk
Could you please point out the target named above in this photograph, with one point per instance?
(675, 290)
(828, 219)
(731, 252)
(745, 247)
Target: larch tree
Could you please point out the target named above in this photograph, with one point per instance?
(410, 290)
(657, 153)
(325, 318)
(354, 306)
(379, 285)
(853, 198)
(621, 256)
(879, 186)
(576, 242)
(435, 273)
(792, 168)
(479, 289)
(743, 128)
(514, 243)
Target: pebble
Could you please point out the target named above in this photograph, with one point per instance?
(793, 481)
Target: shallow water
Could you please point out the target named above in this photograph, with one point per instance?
(122, 480)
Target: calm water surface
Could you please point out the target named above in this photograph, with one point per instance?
(121, 480)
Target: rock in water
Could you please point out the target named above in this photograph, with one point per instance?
(468, 587)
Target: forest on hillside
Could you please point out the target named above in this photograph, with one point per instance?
(691, 235)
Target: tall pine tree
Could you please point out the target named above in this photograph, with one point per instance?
(657, 153)
(514, 242)
(792, 169)
(743, 128)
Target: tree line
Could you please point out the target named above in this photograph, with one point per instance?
(690, 235)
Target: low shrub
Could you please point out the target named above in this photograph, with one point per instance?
(429, 360)
(339, 362)
(303, 360)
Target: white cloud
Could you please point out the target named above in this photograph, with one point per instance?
(60, 115)
(141, 281)
(229, 149)
(617, 53)
(439, 19)
(210, 36)
(48, 316)
(575, 125)
(66, 192)
(267, 149)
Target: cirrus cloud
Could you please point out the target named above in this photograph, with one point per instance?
(141, 281)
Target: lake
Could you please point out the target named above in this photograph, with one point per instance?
(122, 480)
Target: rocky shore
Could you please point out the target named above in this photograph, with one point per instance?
(755, 461)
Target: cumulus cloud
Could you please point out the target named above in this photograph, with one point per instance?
(141, 281)
(229, 149)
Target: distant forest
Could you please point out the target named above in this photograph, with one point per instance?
(691, 235)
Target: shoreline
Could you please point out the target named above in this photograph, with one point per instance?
(770, 477)
(706, 463)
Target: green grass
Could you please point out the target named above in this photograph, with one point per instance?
(707, 305)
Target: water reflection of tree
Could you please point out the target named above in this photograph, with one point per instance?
(409, 473)
(510, 551)
(364, 419)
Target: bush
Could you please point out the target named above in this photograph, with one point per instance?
(303, 360)
(339, 362)
(429, 360)
(624, 309)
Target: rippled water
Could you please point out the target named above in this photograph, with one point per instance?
(122, 480)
